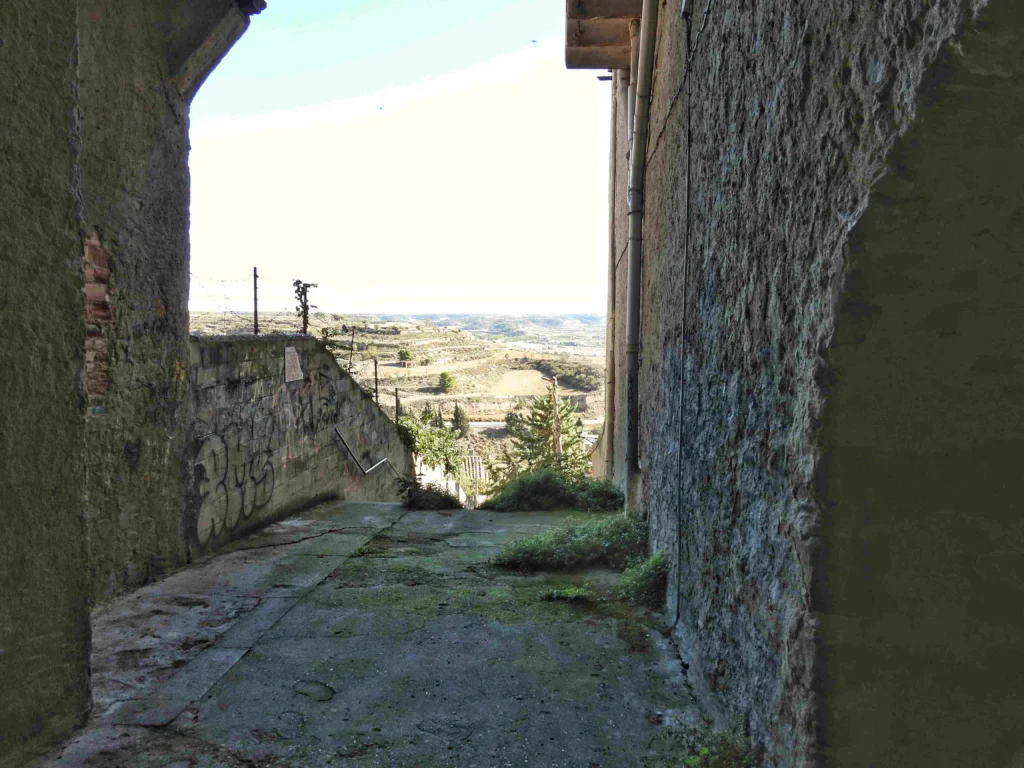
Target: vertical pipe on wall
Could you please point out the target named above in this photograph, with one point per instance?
(637, 170)
(634, 60)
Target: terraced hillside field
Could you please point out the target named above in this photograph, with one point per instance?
(497, 363)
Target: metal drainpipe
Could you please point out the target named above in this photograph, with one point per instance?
(637, 171)
(634, 60)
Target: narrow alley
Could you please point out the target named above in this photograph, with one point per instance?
(364, 634)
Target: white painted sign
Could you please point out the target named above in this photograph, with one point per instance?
(292, 369)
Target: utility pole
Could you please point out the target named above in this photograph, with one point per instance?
(476, 475)
(376, 384)
(398, 406)
(255, 305)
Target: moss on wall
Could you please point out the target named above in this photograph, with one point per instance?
(139, 68)
(94, 185)
(44, 620)
(135, 189)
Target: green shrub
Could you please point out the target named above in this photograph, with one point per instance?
(644, 582)
(404, 354)
(431, 496)
(599, 495)
(446, 382)
(705, 747)
(547, 489)
(613, 541)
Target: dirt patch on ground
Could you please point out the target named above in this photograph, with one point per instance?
(522, 383)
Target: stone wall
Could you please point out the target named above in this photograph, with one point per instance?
(44, 616)
(261, 443)
(140, 64)
(94, 242)
(766, 494)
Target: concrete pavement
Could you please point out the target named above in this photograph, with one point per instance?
(366, 635)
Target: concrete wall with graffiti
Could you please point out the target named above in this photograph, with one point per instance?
(261, 443)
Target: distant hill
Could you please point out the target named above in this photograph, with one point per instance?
(497, 324)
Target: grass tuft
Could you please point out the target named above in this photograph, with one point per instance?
(547, 489)
(570, 595)
(644, 582)
(614, 541)
(417, 496)
(708, 748)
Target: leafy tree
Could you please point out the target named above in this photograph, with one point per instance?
(437, 446)
(404, 354)
(446, 382)
(303, 306)
(426, 415)
(585, 378)
(460, 421)
(533, 437)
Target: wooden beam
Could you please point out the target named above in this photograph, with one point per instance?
(600, 57)
(603, 9)
(592, 33)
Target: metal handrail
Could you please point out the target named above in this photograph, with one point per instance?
(359, 464)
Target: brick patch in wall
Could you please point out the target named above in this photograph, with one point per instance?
(97, 316)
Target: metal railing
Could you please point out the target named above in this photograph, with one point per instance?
(359, 464)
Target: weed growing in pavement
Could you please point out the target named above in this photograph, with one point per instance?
(704, 747)
(547, 489)
(614, 541)
(570, 595)
(644, 582)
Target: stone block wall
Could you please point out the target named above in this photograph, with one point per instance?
(261, 446)
(137, 73)
(44, 582)
(785, 462)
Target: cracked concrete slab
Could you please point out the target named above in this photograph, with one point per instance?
(399, 645)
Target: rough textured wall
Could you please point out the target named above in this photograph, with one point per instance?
(135, 187)
(923, 433)
(792, 109)
(44, 618)
(620, 174)
(261, 447)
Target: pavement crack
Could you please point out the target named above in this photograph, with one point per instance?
(307, 538)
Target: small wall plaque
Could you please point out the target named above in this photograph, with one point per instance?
(292, 369)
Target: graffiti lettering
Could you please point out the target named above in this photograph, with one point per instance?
(236, 452)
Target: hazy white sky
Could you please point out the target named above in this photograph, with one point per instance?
(407, 156)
